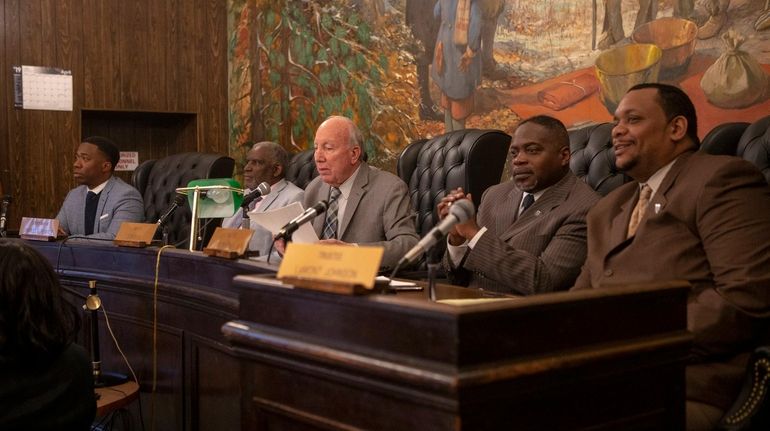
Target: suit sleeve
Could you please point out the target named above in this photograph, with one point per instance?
(398, 222)
(733, 220)
(64, 223)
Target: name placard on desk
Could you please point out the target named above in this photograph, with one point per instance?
(39, 229)
(135, 234)
(331, 268)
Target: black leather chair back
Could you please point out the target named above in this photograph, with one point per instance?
(723, 139)
(754, 145)
(471, 159)
(301, 169)
(593, 158)
(157, 181)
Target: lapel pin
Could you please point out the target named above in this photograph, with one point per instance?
(537, 213)
(657, 208)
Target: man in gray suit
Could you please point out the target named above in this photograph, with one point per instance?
(368, 206)
(265, 162)
(530, 233)
(97, 207)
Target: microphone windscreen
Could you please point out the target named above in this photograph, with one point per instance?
(179, 199)
(264, 188)
(462, 210)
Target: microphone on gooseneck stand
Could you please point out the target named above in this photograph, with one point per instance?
(6, 202)
(255, 195)
(309, 214)
(178, 201)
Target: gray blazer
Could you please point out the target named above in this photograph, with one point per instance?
(118, 202)
(378, 213)
(541, 251)
(281, 194)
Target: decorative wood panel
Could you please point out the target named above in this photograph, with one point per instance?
(132, 59)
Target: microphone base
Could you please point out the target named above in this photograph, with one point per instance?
(106, 379)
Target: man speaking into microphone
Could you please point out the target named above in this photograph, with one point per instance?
(367, 206)
(530, 234)
(265, 162)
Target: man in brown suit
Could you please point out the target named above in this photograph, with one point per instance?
(688, 216)
(534, 231)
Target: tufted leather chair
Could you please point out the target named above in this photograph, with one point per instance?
(593, 158)
(157, 181)
(723, 139)
(301, 169)
(754, 145)
(470, 158)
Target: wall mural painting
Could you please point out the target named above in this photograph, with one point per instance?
(406, 69)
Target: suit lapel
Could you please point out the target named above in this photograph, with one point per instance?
(279, 186)
(318, 222)
(102, 202)
(619, 220)
(551, 198)
(506, 212)
(356, 193)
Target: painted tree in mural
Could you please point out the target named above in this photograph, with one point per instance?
(317, 58)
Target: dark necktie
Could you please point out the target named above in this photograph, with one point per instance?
(529, 199)
(92, 202)
(330, 226)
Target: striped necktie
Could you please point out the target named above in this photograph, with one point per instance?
(330, 225)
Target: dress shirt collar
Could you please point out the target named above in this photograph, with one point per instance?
(98, 189)
(657, 178)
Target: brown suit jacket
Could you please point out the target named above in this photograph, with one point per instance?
(541, 251)
(378, 213)
(709, 224)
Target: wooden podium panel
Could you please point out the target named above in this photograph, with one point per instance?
(601, 359)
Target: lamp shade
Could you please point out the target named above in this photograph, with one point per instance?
(219, 197)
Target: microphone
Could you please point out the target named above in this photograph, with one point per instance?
(288, 229)
(178, 201)
(261, 190)
(4, 213)
(459, 212)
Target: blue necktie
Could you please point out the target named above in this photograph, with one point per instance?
(92, 202)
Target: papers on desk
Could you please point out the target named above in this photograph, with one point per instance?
(274, 220)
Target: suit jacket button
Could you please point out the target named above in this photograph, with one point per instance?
(608, 273)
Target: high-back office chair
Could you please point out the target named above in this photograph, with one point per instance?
(470, 158)
(593, 158)
(723, 139)
(157, 181)
(301, 169)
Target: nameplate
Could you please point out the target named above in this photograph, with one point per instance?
(39, 229)
(135, 234)
(228, 243)
(331, 268)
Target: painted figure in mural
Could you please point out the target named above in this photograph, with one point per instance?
(715, 11)
(424, 26)
(612, 28)
(490, 12)
(456, 64)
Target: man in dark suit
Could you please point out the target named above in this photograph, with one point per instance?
(534, 232)
(688, 216)
(103, 201)
(367, 206)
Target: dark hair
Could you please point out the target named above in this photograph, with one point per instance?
(553, 125)
(674, 103)
(107, 147)
(35, 320)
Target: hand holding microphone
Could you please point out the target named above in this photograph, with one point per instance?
(459, 212)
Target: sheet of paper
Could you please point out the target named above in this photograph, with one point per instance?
(274, 220)
(395, 283)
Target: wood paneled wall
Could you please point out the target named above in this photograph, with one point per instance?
(130, 60)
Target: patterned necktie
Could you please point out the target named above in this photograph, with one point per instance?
(527, 202)
(330, 225)
(92, 202)
(639, 210)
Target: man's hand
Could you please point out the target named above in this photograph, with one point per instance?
(461, 231)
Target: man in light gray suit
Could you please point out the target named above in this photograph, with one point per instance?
(97, 207)
(368, 206)
(530, 233)
(265, 162)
